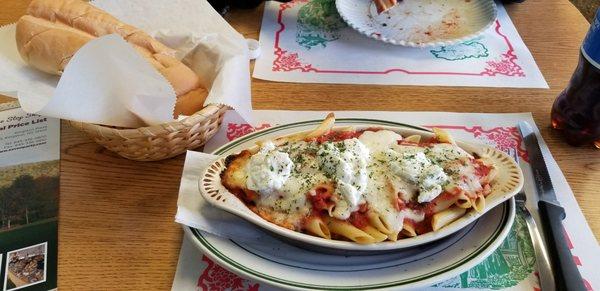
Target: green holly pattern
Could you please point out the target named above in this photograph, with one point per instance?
(318, 23)
(466, 50)
(510, 264)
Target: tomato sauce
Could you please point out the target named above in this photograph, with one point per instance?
(426, 143)
(321, 200)
(428, 207)
(423, 226)
(343, 135)
(481, 170)
(359, 219)
(399, 204)
(337, 136)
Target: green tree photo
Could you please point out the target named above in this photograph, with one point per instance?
(28, 199)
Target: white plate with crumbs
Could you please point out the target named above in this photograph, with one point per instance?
(420, 23)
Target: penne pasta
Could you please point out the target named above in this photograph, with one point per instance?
(487, 189)
(376, 234)
(443, 204)
(323, 128)
(378, 222)
(320, 130)
(330, 210)
(445, 217)
(393, 236)
(408, 229)
(349, 231)
(316, 226)
(463, 201)
(413, 138)
(443, 136)
(364, 186)
(479, 203)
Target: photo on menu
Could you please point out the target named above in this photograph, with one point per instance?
(25, 267)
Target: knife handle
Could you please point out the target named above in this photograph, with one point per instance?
(566, 273)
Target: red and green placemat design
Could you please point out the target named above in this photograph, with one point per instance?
(307, 41)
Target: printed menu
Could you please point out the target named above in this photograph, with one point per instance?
(29, 187)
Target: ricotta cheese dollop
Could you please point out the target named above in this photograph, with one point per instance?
(415, 166)
(346, 163)
(430, 183)
(268, 169)
(408, 165)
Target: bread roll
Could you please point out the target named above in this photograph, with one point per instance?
(53, 30)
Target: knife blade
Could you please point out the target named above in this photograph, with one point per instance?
(542, 260)
(566, 274)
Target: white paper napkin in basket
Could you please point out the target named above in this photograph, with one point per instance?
(106, 84)
(194, 211)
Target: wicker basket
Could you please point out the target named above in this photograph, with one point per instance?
(158, 142)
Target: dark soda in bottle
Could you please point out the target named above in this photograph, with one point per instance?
(576, 111)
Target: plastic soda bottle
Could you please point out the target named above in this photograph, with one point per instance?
(576, 111)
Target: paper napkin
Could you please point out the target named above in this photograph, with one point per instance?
(194, 211)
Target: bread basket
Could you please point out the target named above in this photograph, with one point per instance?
(157, 142)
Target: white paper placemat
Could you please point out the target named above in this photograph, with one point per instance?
(306, 41)
(510, 267)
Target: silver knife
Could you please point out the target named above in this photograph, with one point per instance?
(566, 274)
(541, 255)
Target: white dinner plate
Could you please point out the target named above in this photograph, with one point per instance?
(282, 265)
(420, 23)
(277, 263)
(507, 183)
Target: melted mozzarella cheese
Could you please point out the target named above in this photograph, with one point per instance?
(405, 190)
(430, 183)
(457, 163)
(382, 190)
(408, 149)
(345, 162)
(463, 176)
(408, 165)
(372, 168)
(381, 140)
(414, 215)
(268, 169)
(412, 165)
(289, 205)
(381, 194)
(444, 152)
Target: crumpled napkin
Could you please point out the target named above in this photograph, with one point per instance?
(194, 211)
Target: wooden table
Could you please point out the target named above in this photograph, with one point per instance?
(116, 226)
